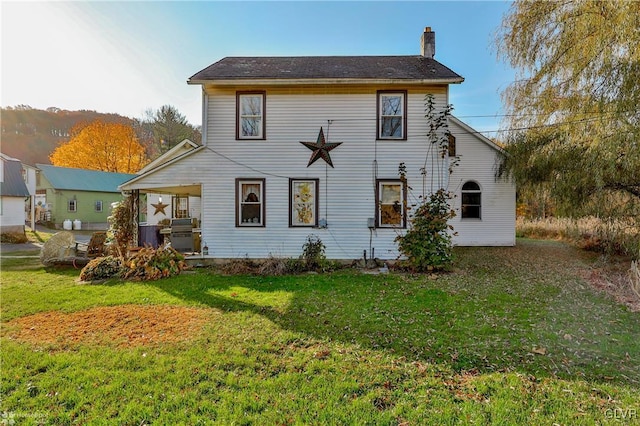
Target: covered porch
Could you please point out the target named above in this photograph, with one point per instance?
(171, 213)
(167, 203)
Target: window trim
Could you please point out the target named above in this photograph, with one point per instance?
(263, 210)
(379, 96)
(75, 205)
(316, 209)
(470, 191)
(95, 206)
(239, 96)
(403, 187)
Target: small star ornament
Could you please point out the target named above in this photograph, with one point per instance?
(160, 208)
(320, 149)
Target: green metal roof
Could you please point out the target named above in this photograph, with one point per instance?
(83, 180)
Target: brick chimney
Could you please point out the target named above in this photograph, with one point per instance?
(428, 43)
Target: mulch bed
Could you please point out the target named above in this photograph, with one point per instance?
(122, 326)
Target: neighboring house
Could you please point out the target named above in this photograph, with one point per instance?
(13, 194)
(294, 146)
(29, 174)
(79, 195)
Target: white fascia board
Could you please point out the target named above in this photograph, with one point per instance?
(474, 132)
(323, 81)
(129, 184)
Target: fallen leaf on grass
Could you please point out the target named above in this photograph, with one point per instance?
(539, 351)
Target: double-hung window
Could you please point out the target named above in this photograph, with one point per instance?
(392, 115)
(98, 206)
(72, 205)
(250, 113)
(303, 202)
(391, 200)
(250, 202)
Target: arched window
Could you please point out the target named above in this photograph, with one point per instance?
(471, 200)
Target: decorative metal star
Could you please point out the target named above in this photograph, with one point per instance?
(320, 149)
(160, 208)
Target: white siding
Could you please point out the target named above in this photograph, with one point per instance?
(346, 193)
(12, 214)
(496, 227)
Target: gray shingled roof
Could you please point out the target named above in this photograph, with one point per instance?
(12, 184)
(83, 180)
(327, 67)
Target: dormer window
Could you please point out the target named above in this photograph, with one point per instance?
(250, 115)
(392, 115)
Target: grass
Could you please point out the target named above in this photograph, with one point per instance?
(619, 236)
(511, 336)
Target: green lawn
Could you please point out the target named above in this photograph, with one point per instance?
(511, 336)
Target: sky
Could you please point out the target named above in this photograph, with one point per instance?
(131, 57)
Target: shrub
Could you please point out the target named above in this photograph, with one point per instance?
(151, 264)
(296, 266)
(427, 244)
(239, 267)
(102, 268)
(313, 253)
(13, 238)
(311, 259)
(273, 266)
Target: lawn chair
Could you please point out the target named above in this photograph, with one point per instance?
(95, 247)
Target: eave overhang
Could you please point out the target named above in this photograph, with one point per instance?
(323, 82)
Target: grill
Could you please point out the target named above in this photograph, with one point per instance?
(181, 235)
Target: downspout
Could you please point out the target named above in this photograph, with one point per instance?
(205, 108)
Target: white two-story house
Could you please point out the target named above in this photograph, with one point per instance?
(294, 146)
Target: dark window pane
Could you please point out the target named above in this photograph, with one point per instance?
(452, 147)
(471, 212)
(251, 126)
(471, 186)
(391, 127)
(471, 198)
(251, 213)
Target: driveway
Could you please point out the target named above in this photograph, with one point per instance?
(8, 248)
(81, 236)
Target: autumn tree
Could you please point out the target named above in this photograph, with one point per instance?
(110, 147)
(574, 107)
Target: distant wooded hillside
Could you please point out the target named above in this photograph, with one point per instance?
(31, 135)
